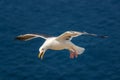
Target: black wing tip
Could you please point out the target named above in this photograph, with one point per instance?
(103, 36)
(19, 38)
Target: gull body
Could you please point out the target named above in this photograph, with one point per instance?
(52, 43)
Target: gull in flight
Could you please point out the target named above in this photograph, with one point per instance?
(60, 42)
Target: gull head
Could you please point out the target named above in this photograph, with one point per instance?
(41, 53)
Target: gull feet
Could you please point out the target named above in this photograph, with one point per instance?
(73, 55)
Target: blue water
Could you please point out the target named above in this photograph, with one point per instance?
(100, 61)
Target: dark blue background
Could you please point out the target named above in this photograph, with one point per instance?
(100, 61)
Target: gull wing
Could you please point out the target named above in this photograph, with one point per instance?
(68, 35)
(26, 37)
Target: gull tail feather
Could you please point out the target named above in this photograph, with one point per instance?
(79, 50)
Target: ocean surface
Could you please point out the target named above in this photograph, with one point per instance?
(101, 59)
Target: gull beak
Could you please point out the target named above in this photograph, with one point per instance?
(40, 55)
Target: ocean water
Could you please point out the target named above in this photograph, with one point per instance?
(101, 59)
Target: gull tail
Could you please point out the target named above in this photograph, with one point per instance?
(79, 50)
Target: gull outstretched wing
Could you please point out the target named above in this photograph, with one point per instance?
(26, 37)
(68, 35)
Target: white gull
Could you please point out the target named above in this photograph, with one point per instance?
(58, 43)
